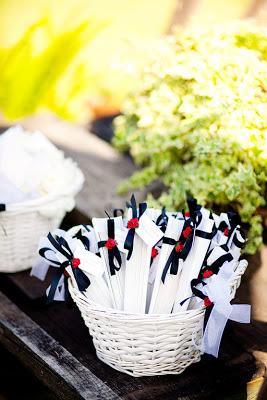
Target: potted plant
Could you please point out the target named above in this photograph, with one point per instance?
(198, 122)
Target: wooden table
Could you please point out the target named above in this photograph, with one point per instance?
(53, 342)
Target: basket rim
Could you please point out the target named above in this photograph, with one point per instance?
(79, 297)
(76, 294)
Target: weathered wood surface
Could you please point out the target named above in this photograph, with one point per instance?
(242, 358)
(243, 354)
(54, 365)
(204, 380)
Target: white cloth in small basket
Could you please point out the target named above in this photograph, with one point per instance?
(44, 199)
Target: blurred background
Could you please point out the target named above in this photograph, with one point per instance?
(79, 59)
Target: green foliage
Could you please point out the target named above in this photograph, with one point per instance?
(198, 122)
(32, 70)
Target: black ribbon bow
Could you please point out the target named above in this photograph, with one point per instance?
(62, 246)
(234, 220)
(84, 239)
(111, 245)
(196, 217)
(180, 250)
(133, 223)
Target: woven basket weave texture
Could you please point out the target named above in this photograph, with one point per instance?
(149, 344)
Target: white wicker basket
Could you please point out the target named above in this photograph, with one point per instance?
(146, 344)
(22, 225)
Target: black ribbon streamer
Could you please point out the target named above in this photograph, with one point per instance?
(194, 209)
(62, 246)
(204, 235)
(222, 226)
(2, 207)
(192, 222)
(84, 239)
(234, 220)
(195, 291)
(128, 244)
(114, 253)
(173, 260)
(162, 220)
(237, 242)
(217, 264)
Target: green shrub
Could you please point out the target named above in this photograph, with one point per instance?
(198, 122)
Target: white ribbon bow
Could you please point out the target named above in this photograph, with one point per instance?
(218, 291)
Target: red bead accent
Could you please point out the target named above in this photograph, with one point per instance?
(133, 223)
(187, 214)
(75, 262)
(154, 252)
(226, 232)
(187, 232)
(179, 247)
(207, 274)
(110, 244)
(207, 302)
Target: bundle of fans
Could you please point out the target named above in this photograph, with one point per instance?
(145, 261)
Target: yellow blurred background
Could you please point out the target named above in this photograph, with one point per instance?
(80, 58)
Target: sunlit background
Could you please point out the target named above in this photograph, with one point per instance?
(79, 59)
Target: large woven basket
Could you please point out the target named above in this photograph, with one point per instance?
(22, 224)
(146, 344)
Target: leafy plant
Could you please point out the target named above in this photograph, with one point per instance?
(198, 122)
(33, 70)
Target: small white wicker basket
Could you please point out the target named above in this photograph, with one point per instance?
(22, 224)
(146, 344)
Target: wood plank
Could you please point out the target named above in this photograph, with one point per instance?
(227, 375)
(49, 361)
(27, 386)
(242, 357)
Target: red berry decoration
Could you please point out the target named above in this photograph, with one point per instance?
(154, 252)
(187, 214)
(207, 274)
(187, 232)
(207, 302)
(110, 244)
(179, 247)
(75, 262)
(226, 232)
(133, 223)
